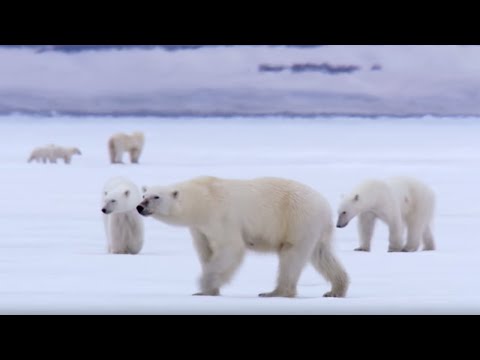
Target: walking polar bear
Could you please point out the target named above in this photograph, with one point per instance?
(123, 225)
(120, 143)
(52, 153)
(226, 217)
(399, 202)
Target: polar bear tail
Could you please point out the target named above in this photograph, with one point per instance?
(327, 264)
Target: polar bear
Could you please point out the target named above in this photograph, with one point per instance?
(399, 202)
(65, 153)
(52, 153)
(120, 143)
(123, 225)
(226, 217)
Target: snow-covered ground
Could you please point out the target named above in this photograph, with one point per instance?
(52, 244)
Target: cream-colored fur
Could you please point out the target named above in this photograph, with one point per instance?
(120, 143)
(228, 217)
(52, 153)
(399, 202)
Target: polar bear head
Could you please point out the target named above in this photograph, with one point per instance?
(350, 207)
(365, 197)
(119, 196)
(182, 204)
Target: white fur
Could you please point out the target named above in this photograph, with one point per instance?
(399, 202)
(120, 143)
(123, 225)
(227, 217)
(52, 153)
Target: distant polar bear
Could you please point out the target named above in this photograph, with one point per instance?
(52, 153)
(398, 202)
(120, 143)
(123, 224)
(226, 217)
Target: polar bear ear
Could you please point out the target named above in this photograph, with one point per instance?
(127, 193)
(144, 189)
(357, 197)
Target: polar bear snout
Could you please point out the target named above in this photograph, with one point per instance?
(107, 210)
(109, 207)
(342, 220)
(143, 209)
(153, 204)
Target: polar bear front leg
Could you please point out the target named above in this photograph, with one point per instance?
(220, 265)
(200, 242)
(366, 226)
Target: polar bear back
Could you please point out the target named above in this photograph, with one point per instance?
(413, 196)
(266, 208)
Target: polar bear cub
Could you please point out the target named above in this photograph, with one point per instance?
(226, 217)
(400, 202)
(123, 225)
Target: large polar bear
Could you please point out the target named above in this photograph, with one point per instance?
(398, 202)
(52, 153)
(226, 217)
(120, 143)
(123, 224)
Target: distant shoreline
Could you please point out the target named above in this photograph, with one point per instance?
(234, 115)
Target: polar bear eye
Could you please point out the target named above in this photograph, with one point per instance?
(157, 197)
(344, 213)
(175, 194)
(114, 201)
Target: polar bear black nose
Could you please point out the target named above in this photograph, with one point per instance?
(104, 210)
(140, 208)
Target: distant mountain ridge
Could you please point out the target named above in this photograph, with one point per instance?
(217, 80)
(79, 48)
